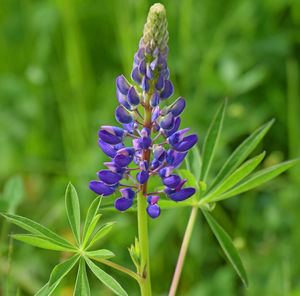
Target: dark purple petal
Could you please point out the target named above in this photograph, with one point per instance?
(154, 164)
(128, 151)
(155, 113)
(160, 82)
(127, 193)
(123, 115)
(115, 130)
(145, 132)
(108, 137)
(122, 84)
(115, 168)
(162, 63)
(131, 127)
(174, 129)
(122, 160)
(122, 204)
(153, 199)
(107, 148)
(177, 137)
(136, 76)
(178, 160)
(186, 144)
(172, 181)
(142, 67)
(159, 152)
(177, 107)
(144, 165)
(109, 177)
(145, 84)
(167, 91)
(167, 122)
(183, 194)
(101, 188)
(149, 73)
(142, 177)
(166, 74)
(144, 143)
(154, 101)
(165, 172)
(141, 53)
(122, 99)
(133, 98)
(153, 211)
(154, 64)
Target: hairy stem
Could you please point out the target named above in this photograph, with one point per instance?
(183, 250)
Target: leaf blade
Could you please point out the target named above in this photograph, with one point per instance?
(105, 278)
(101, 233)
(211, 140)
(82, 287)
(73, 210)
(227, 246)
(102, 254)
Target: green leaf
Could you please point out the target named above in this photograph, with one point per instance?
(191, 180)
(257, 179)
(38, 229)
(243, 171)
(82, 287)
(168, 204)
(227, 246)
(103, 254)
(60, 270)
(196, 162)
(14, 193)
(106, 279)
(211, 140)
(92, 211)
(90, 229)
(73, 210)
(241, 153)
(41, 242)
(101, 232)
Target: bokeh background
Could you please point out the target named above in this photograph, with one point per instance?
(58, 64)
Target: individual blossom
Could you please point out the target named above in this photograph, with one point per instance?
(157, 144)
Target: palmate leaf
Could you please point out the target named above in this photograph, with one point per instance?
(92, 211)
(106, 279)
(73, 210)
(90, 229)
(58, 273)
(211, 140)
(41, 242)
(257, 179)
(82, 287)
(243, 171)
(196, 162)
(241, 153)
(101, 233)
(102, 254)
(37, 229)
(227, 246)
(168, 204)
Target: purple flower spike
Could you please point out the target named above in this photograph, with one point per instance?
(155, 114)
(172, 181)
(178, 159)
(101, 188)
(122, 84)
(142, 67)
(122, 99)
(142, 177)
(133, 98)
(145, 84)
(160, 82)
(109, 138)
(127, 193)
(115, 168)
(154, 99)
(123, 115)
(186, 144)
(122, 204)
(136, 76)
(141, 53)
(174, 129)
(153, 199)
(165, 172)
(154, 64)
(183, 194)
(153, 211)
(177, 107)
(107, 148)
(149, 73)
(122, 160)
(128, 151)
(144, 143)
(178, 136)
(167, 91)
(109, 177)
(167, 122)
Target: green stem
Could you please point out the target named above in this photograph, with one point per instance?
(183, 250)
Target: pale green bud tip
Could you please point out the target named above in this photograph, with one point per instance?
(155, 30)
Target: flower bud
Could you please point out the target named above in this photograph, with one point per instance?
(133, 98)
(167, 122)
(101, 188)
(153, 211)
(167, 90)
(136, 76)
(183, 194)
(177, 107)
(122, 84)
(109, 177)
(124, 116)
(154, 101)
(172, 181)
(127, 193)
(122, 204)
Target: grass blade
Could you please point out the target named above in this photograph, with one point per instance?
(106, 279)
(37, 229)
(41, 242)
(211, 140)
(241, 153)
(227, 246)
(257, 179)
(243, 171)
(82, 287)
(101, 232)
(73, 210)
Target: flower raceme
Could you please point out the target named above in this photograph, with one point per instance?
(158, 145)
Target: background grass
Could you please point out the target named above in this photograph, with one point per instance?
(58, 64)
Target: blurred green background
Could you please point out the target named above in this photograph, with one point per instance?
(58, 64)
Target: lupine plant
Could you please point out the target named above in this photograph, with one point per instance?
(149, 143)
